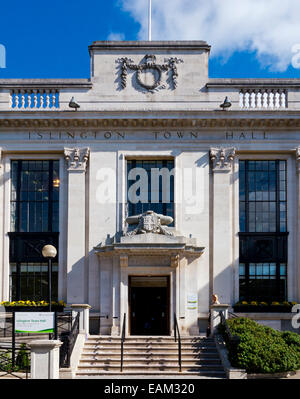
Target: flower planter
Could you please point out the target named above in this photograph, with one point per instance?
(54, 308)
(262, 308)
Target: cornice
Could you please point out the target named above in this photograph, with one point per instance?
(253, 83)
(156, 123)
(45, 83)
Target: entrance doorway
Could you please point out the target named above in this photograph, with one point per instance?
(149, 305)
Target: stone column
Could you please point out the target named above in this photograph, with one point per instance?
(84, 317)
(44, 362)
(180, 263)
(124, 292)
(297, 266)
(215, 319)
(115, 330)
(222, 168)
(77, 163)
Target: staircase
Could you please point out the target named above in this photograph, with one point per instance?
(148, 356)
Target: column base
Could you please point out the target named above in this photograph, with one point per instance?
(115, 331)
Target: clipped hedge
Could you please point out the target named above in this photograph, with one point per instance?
(262, 349)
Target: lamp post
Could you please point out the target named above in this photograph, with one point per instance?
(49, 252)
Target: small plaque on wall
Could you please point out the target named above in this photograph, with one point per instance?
(192, 301)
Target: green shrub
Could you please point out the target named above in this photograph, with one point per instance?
(262, 349)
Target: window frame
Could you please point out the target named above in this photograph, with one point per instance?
(146, 159)
(265, 235)
(54, 238)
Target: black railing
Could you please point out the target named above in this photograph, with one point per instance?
(14, 360)
(177, 338)
(123, 340)
(68, 339)
(233, 339)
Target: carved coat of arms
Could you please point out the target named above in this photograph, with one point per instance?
(149, 222)
(149, 65)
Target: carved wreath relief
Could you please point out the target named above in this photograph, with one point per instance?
(149, 65)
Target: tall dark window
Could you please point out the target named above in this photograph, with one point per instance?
(159, 191)
(263, 230)
(34, 223)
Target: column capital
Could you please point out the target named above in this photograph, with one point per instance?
(77, 158)
(123, 260)
(175, 261)
(222, 159)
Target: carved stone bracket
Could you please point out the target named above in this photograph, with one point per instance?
(298, 159)
(77, 158)
(174, 261)
(123, 261)
(222, 159)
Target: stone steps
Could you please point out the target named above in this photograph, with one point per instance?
(153, 362)
(150, 356)
(147, 373)
(155, 356)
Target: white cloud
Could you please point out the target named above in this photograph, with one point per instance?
(116, 36)
(269, 27)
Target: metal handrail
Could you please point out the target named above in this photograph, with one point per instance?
(123, 340)
(69, 340)
(232, 338)
(176, 331)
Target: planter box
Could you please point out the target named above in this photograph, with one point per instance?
(262, 309)
(33, 308)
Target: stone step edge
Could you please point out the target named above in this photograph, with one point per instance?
(142, 366)
(207, 373)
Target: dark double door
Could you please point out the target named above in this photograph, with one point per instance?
(149, 305)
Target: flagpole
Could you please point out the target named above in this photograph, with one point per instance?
(150, 21)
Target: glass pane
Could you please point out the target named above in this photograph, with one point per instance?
(242, 269)
(282, 269)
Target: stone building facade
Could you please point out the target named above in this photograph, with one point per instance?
(233, 188)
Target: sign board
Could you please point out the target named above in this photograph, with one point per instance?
(192, 301)
(34, 322)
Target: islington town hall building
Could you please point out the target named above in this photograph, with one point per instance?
(158, 186)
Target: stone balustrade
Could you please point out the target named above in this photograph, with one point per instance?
(34, 99)
(261, 98)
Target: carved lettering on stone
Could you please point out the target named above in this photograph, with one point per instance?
(222, 159)
(77, 158)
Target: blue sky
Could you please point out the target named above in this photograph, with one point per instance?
(50, 39)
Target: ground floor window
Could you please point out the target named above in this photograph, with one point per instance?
(29, 281)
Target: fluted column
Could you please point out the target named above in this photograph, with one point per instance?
(222, 168)
(76, 160)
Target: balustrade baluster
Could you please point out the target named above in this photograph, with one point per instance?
(29, 92)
